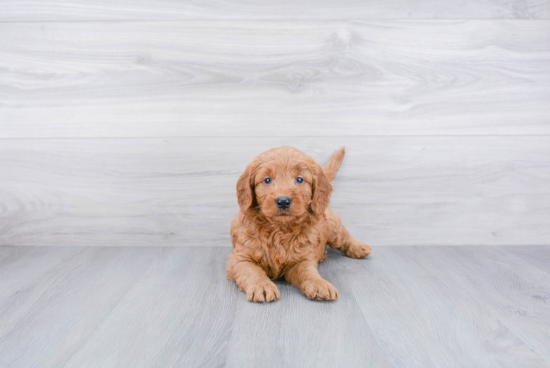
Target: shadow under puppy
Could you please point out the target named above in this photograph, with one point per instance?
(284, 224)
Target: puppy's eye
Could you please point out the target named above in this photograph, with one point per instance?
(299, 180)
(267, 180)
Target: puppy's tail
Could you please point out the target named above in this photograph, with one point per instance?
(331, 168)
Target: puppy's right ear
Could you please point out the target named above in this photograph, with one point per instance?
(245, 190)
(321, 191)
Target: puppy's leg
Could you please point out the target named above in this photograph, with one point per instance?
(305, 277)
(339, 238)
(253, 280)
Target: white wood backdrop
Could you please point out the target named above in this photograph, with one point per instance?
(128, 123)
(76, 10)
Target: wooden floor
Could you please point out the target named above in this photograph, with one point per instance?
(166, 307)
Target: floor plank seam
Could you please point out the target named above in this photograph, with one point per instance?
(104, 318)
(389, 358)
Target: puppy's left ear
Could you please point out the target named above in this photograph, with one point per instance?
(321, 191)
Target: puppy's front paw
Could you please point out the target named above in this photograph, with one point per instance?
(358, 250)
(264, 291)
(319, 289)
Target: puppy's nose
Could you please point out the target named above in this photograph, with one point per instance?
(283, 202)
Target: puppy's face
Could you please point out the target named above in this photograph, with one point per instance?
(284, 184)
(283, 189)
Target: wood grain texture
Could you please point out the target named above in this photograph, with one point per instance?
(537, 256)
(431, 316)
(174, 307)
(500, 278)
(22, 265)
(45, 321)
(507, 284)
(55, 10)
(389, 190)
(274, 78)
(178, 314)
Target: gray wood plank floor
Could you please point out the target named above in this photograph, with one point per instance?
(168, 307)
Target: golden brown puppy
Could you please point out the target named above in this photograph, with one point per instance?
(284, 224)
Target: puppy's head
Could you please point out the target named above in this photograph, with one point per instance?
(285, 185)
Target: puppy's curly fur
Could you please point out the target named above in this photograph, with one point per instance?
(271, 241)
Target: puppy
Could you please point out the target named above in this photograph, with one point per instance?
(284, 224)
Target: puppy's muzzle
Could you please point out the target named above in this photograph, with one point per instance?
(283, 202)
